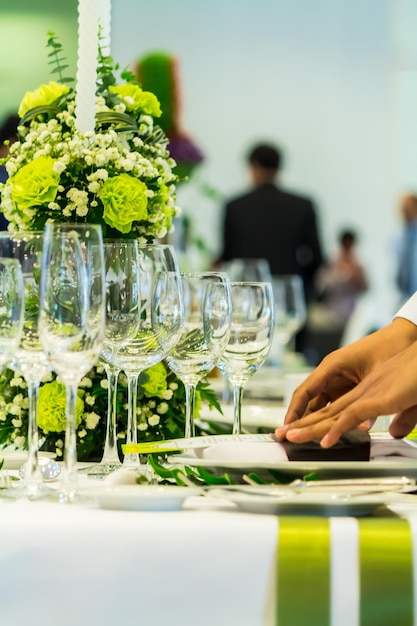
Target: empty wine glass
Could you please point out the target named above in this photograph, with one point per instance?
(161, 318)
(247, 270)
(122, 323)
(29, 359)
(205, 333)
(251, 332)
(71, 320)
(290, 313)
(11, 308)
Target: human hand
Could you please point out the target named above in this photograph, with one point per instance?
(338, 374)
(389, 388)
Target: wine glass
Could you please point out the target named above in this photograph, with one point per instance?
(290, 313)
(11, 308)
(251, 332)
(121, 259)
(29, 359)
(250, 270)
(161, 318)
(71, 319)
(205, 333)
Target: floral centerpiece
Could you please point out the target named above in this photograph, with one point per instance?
(120, 176)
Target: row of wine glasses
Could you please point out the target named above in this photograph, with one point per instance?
(127, 305)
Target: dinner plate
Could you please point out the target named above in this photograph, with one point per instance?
(13, 459)
(143, 497)
(332, 503)
(296, 469)
(253, 415)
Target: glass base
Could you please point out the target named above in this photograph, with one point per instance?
(19, 490)
(100, 470)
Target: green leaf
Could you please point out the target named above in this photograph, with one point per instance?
(213, 479)
(49, 109)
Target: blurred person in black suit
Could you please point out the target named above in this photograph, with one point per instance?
(270, 223)
(8, 134)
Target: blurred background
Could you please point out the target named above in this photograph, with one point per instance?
(332, 82)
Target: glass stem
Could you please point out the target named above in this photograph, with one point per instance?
(32, 472)
(237, 409)
(132, 460)
(110, 454)
(189, 410)
(70, 451)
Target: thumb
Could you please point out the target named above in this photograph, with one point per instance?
(403, 423)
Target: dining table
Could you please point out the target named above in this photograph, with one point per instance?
(204, 563)
(207, 561)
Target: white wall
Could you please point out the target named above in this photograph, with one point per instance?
(331, 81)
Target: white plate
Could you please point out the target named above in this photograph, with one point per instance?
(253, 415)
(13, 459)
(304, 503)
(143, 497)
(296, 469)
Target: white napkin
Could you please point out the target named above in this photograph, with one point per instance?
(384, 447)
(247, 452)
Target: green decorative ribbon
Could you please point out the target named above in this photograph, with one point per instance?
(386, 572)
(385, 576)
(303, 574)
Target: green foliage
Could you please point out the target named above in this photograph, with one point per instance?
(56, 59)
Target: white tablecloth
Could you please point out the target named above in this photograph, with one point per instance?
(75, 566)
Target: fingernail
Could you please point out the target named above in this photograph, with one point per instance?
(281, 431)
(325, 441)
(293, 432)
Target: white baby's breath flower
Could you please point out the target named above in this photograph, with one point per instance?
(104, 383)
(91, 420)
(59, 167)
(162, 408)
(19, 441)
(17, 381)
(167, 394)
(154, 420)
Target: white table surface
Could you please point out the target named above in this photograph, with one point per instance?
(79, 566)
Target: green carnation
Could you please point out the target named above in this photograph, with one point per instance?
(44, 95)
(124, 200)
(35, 183)
(149, 104)
(157, 380)
(135, 98)
(52, 408)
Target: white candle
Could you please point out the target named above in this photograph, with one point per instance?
(91, 13)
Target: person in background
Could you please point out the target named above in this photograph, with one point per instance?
(269, 223)
(8, 134)
(407, 249)
(341, 281)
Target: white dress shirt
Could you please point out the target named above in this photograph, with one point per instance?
(409, 309)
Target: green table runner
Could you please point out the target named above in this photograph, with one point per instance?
(314, 589)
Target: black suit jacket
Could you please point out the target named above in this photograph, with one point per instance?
(275, 225)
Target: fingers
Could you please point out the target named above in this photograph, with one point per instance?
(330, 423)
(404, 422)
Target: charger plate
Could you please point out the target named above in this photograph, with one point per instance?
(297, 469)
